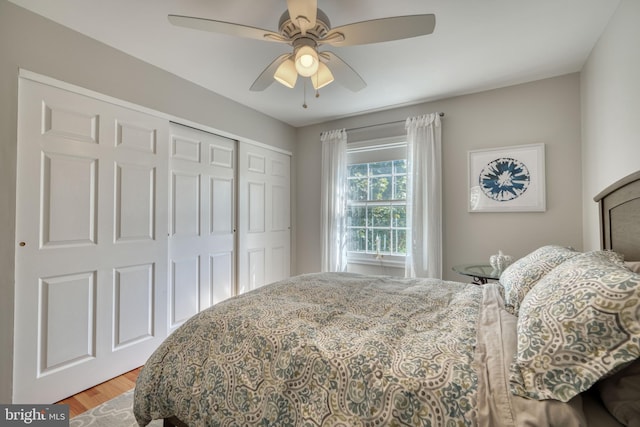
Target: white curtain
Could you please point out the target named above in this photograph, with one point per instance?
(333, 206)
(424, 197)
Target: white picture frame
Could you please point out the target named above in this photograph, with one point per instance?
(507, 179)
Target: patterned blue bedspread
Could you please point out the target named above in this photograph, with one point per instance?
(322, 349)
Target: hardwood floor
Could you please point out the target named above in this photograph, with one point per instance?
(99, 394)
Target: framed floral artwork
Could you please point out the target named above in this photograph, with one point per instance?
(507, 179)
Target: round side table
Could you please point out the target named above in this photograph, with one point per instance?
(481, 273)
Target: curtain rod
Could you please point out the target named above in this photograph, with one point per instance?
(381, 124)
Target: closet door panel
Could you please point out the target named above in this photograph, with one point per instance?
(67, 304)
(222, 154)
(256, 208)
(134, 307)
(279, 261)
(185, 288)
(221, 210)
(134, 202)
(135, 136)
(264, 246)
(185, 204)
(68, 200)
(221, 277)
(91, 210)
(203, 221)
(69, 122)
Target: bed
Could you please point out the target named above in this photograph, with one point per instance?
(555, 342)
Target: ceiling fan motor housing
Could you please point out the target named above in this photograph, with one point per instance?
(291, 31)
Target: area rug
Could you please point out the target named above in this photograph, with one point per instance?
(117, 412)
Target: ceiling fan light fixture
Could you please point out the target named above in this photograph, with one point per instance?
(307, 61)
(286, 73)
(323, 77)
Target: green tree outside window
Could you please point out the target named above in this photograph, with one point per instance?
(377, 213)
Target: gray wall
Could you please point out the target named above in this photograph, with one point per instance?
(545, 111)
(607, 92)
(33, 43)
(610, 88)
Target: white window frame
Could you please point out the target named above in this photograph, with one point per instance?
(370, 151)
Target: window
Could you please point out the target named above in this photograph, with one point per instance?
(377, 206)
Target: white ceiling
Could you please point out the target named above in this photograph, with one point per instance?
(477, 45)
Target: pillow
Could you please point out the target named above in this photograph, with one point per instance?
(633, 266)
(579, 323)
(620, 393)
(521, 276)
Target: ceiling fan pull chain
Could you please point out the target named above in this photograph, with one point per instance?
(304, 94)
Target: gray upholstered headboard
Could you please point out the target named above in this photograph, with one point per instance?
(619, 206)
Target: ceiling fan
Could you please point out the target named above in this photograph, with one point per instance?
(306, 28)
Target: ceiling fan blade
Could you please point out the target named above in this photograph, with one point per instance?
(303, 13)
(344, 74)
(265, 78)
(381, 30)
(226, 28)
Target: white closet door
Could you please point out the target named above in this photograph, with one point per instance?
(91, 231)
(202, 222)
(264, 241)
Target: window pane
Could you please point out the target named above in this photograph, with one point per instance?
(377, 213)
(399, 216)
(400, 166)
(357, 240)
(380, 188)
(400, 190)
(381, 168)
(358, 170)
(379, 216)
(357, 216)
(358, 189)
(400, 242)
